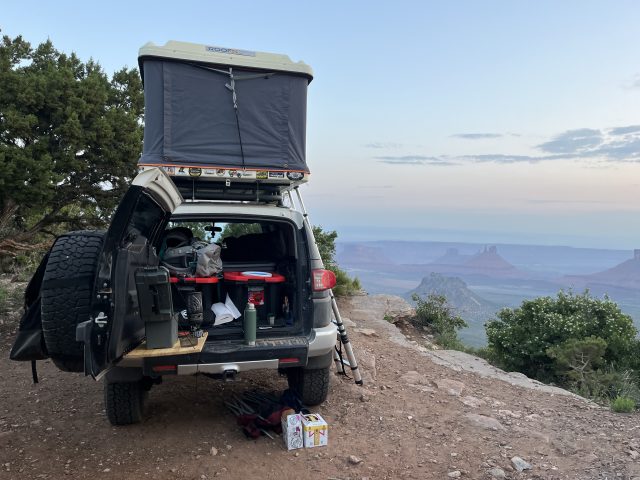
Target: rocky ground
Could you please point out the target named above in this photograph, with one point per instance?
(420, 415)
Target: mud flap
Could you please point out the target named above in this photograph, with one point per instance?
(29, 343)
(83, 334)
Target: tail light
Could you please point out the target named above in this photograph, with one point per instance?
(323, 280)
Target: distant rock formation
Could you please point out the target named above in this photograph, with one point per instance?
(489, 260)
(623, 275)
(456, 291)
(451, 257)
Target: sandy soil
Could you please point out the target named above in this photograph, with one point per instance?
(413, 419)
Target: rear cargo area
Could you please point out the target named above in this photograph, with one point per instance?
(259, 264)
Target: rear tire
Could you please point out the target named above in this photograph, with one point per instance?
(311, 385)
(66, 292)
(124, 402)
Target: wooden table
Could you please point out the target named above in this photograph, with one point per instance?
(183, 346)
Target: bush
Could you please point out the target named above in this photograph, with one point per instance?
(345, 286)
(326, 242)
(623, 405)
(435, 313)
(540, 339)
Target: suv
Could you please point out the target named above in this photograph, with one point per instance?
(224, 129)
(94, 273)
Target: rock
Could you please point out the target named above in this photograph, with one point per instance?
(106, 470)
(353, 460)
(414, 378)
(367, 363)
(497, 473)
(364, 398)
(483, 421)
(452, 387)
(520, 465)
(214, 451)
(473, 402)
(633, 454)
(367, 332)
(454, 474)
(348, 322)
(418, 381)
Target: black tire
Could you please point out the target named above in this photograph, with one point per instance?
(124, 402)
(311, 385)
(66, 295)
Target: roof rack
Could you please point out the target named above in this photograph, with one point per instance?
(197, 183)
(240, 191)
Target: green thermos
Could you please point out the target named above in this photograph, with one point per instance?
(250, 318)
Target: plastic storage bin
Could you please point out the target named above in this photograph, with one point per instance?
(263, 289)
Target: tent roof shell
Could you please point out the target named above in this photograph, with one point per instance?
(233, 57)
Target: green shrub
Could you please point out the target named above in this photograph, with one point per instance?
(435, 313)
(623, 405)
(345, 286)
(326, 242)
(539, 338)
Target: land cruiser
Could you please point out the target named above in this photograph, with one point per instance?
(224, 146)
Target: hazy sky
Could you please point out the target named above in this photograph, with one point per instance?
(481, 121)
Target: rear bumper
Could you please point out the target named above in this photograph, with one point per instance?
(226, 367)
(323, 341)
(234, 357)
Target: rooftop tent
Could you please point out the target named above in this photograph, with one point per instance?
(217, 108)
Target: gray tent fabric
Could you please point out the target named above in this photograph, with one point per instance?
(190, 118)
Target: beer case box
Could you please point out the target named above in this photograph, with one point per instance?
(292, 431)
(315, 430)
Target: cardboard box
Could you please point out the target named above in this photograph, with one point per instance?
(315, 430)
(292, 431)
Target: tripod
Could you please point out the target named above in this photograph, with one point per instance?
(342, 333)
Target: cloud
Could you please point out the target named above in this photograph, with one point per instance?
(614, 145)
(573, 141)
(477, 136)
(500, 158)
(380, 145)
(625, 130)
(415, 160)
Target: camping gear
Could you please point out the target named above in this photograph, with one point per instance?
(156, 308)
(180, 260)
(200, 259)
(208, 262)
(257, 412)
(264, 292)
(315, 430)
(249, 324)
(213, 112)
(194, 312)
(291, 424)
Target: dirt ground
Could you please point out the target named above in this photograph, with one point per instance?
(413, 419)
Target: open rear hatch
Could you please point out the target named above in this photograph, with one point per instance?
(136, 228)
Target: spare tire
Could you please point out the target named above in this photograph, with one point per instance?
(66, 292)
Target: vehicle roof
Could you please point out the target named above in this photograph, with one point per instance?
(224, 56)
(206, 209)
